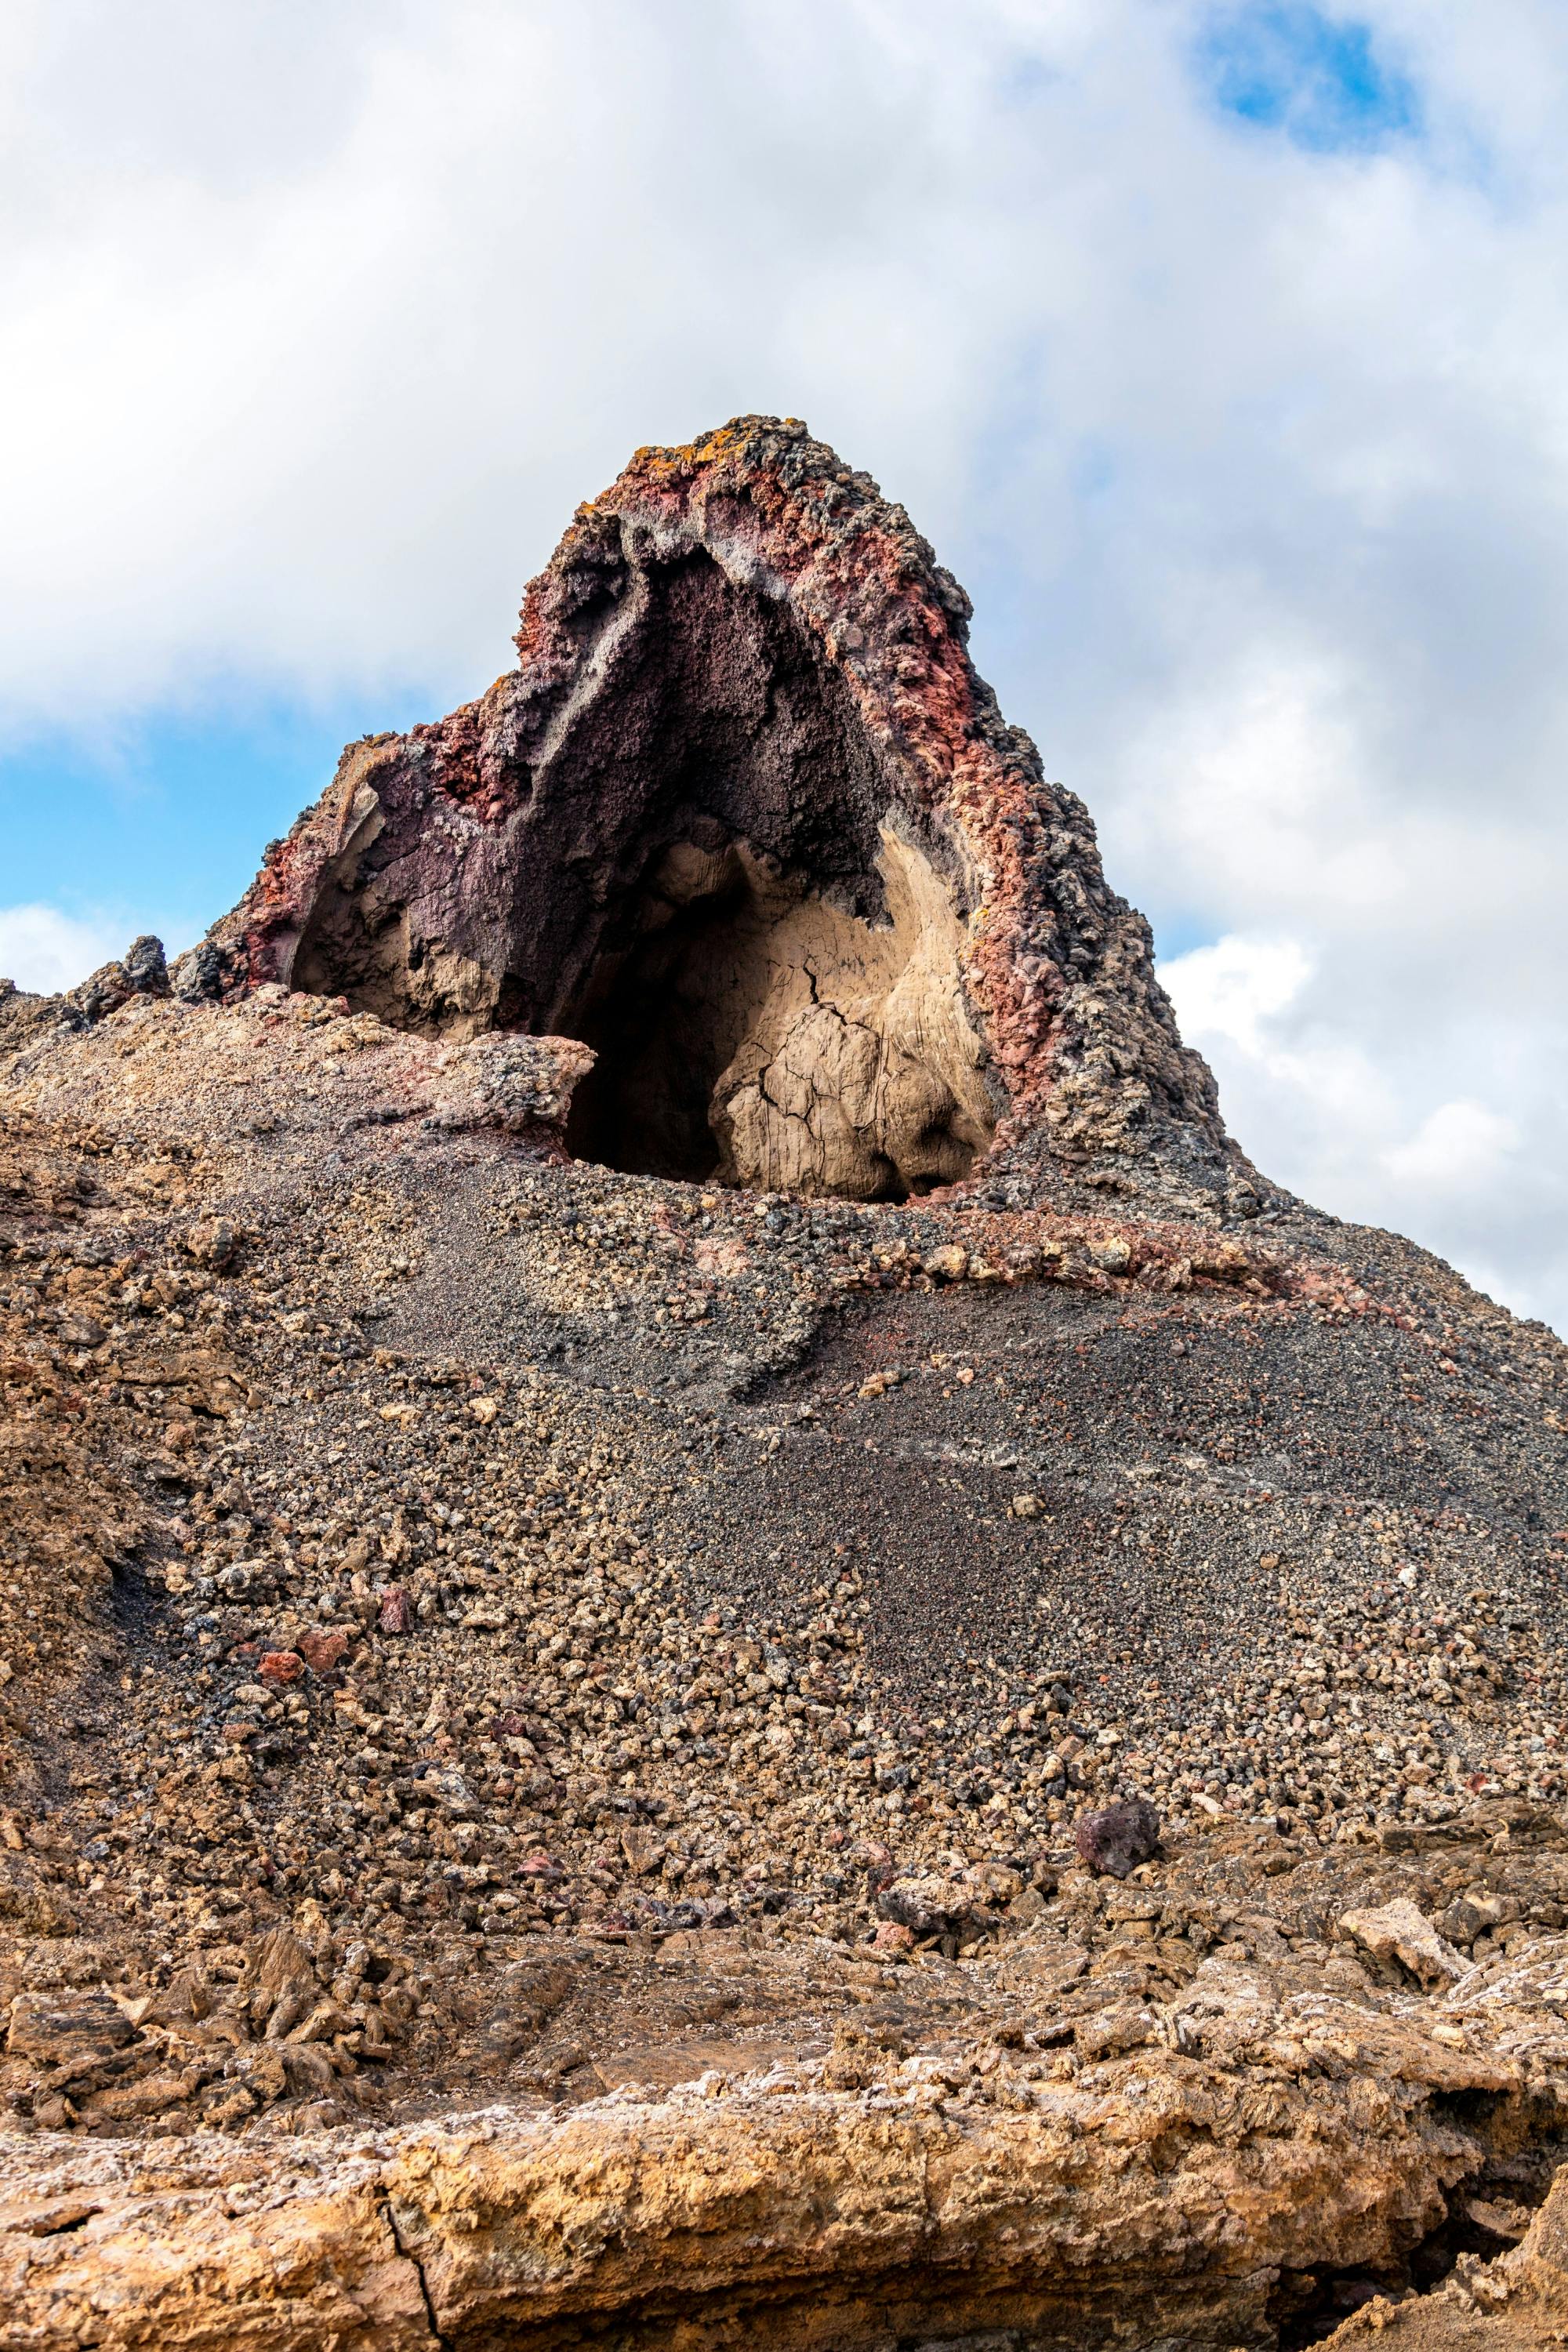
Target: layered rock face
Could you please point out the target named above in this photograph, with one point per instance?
(745, 820)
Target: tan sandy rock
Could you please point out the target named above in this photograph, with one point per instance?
(1399, 1931)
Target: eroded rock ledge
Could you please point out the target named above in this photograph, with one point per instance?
(1166, 2197)
(745, 820)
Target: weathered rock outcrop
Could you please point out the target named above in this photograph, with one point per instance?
(1161, 2197)
(745, 820)
(1515, 2302)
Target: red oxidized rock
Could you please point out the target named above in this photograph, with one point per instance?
(281, 1666)
(609, 1928)
(396, 1612)
(892, 1936)
(746, 822)
(323, 1652)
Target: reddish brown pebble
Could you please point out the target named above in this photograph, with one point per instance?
(322, 1652)
(396, 1613)
(891, 1936)
(281, 1666)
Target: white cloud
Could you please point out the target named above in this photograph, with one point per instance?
(1230, 988)
(1358, 1132)
(43, 950)
(1458, 1149)
(317, 321)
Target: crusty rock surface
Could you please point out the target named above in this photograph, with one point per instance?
(1513, 2302)
(746, 820)
(1195, 2188)
(546, 1707)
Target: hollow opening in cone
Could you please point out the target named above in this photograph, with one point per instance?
(712, 877)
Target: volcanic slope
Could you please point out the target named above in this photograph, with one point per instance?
(547, 1699)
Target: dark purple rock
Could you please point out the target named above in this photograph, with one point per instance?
(1115, 1840)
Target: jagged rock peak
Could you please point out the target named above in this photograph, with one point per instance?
(745, 820)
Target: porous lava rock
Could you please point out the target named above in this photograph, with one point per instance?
(1116, 1838)
(745, 820)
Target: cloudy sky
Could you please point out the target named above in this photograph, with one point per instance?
(1221, 349)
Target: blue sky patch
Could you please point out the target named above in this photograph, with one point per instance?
(1316, 77)
(163, 828)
